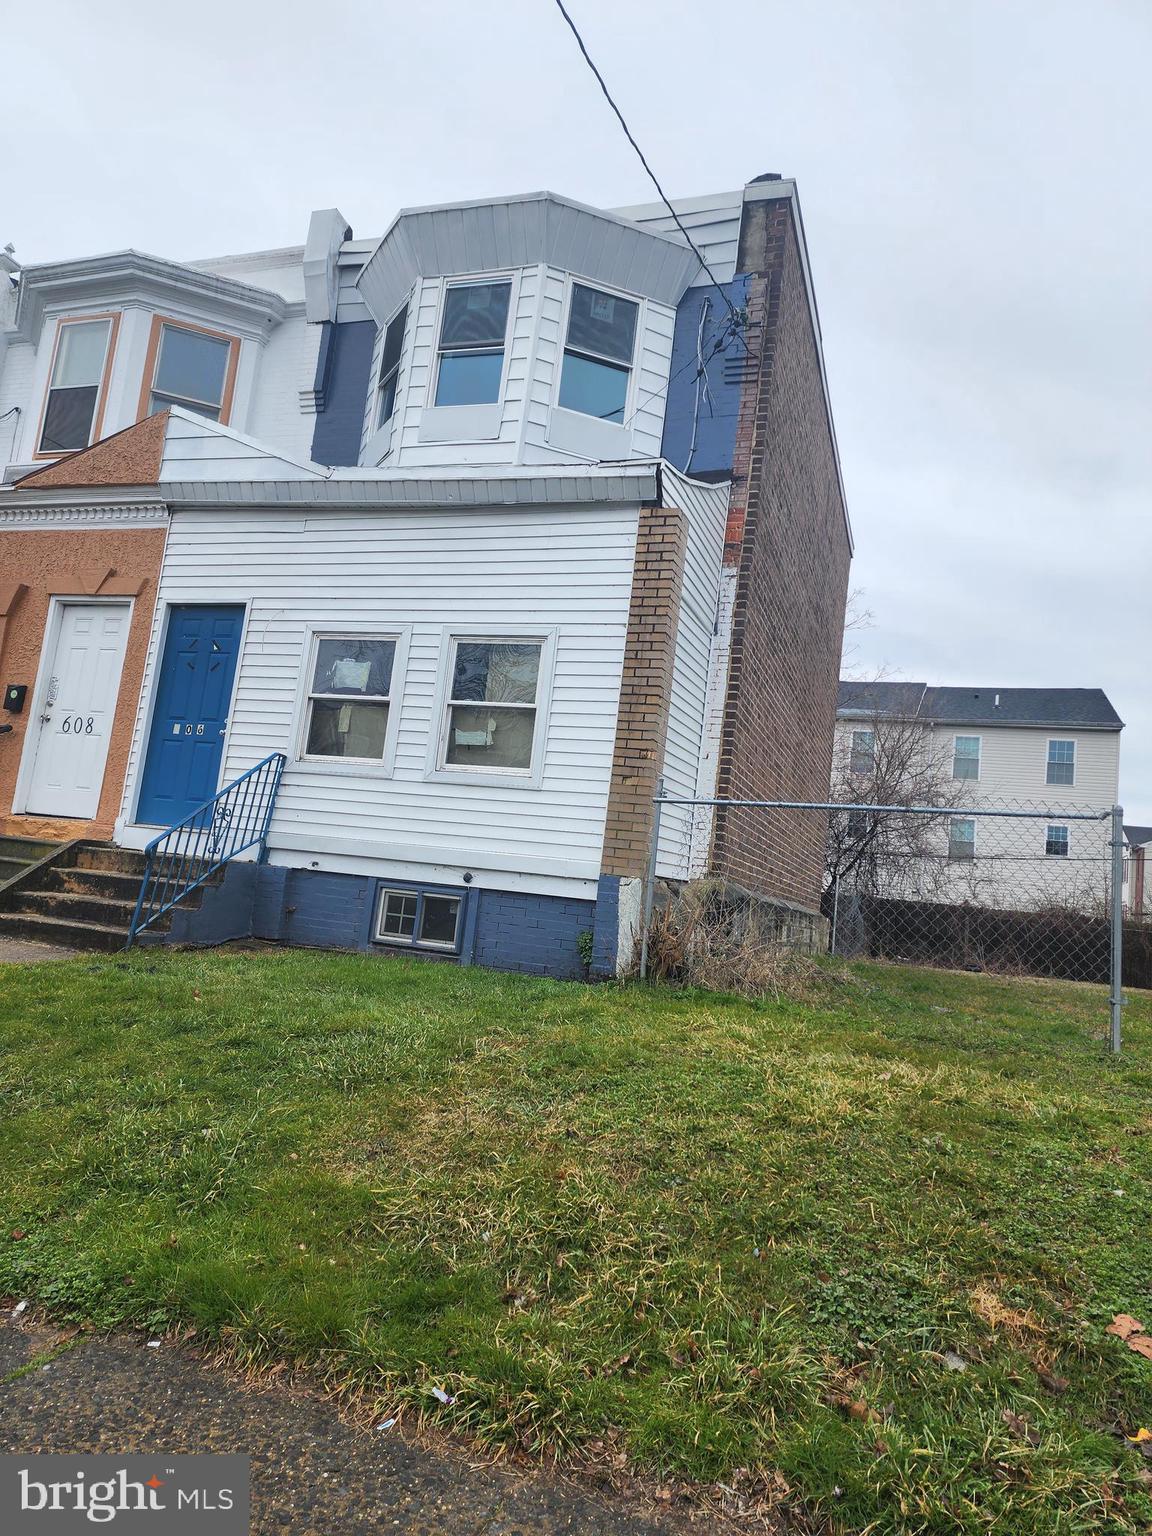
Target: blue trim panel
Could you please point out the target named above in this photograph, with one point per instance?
(348, 372)
(606, 929)
(717, 415)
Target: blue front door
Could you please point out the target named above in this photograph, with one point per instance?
(193, 696)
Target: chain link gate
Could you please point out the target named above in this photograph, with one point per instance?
(1021, 889)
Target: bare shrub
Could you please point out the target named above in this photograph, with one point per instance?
(708, 936)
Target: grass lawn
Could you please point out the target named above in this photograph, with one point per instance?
(869, 1242)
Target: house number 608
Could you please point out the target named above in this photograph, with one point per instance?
(79, 725)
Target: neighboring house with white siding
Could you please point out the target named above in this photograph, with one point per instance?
(473, 523)
(989, 748)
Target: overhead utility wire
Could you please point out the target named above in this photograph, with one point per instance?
(736, 317)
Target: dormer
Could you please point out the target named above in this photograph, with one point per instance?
(112, 339)
(523, 330)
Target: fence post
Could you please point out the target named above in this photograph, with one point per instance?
(650, 879)
(1116, 1000)
(835, 913)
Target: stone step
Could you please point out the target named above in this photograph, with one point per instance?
(124, 861)
(108, 883)
(71, 907)
(10, 868)
(55, 930)
(26, 849)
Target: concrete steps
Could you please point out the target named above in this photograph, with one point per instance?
(84, 900)
(18, 853)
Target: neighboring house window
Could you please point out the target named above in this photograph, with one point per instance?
(1061, 762)
(390, 365)
(863, 754)
(491, 711)
(472, 334)
(348, 697)
(961, 838)
(598, 353)
(857, 826)
(74, 405)
(966, 757)
(1056, 842)
(189, 367)
(422, 919)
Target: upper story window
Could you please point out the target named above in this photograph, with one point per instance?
(472, 334)
(190, 367)
(966, 757)
(598, 353)
(1061, 762)
(862, 758)
(74, 405)
(390, 365)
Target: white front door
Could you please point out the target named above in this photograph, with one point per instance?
(76, 707)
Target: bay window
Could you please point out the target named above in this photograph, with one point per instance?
(471, 349)
(189, 367)
(598, 351)
(74, 405)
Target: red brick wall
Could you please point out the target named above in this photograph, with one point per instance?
(788, 538)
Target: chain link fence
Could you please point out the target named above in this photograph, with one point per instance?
(1015, 889)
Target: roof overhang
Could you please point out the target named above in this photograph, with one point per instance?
(126, 275)
(497, 234)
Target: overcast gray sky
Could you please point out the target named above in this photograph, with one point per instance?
(974, 176)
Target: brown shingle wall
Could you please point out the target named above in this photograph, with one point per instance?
(73, 562)
(642, 722)
(788, 539)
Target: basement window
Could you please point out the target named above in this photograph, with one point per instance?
(598, 353)
(420, 919)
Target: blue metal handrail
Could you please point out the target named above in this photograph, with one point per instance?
(180, 859)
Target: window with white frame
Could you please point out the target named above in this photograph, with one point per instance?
(966, 757)
(598, 353)
(390, 366)
(78, 368)
(349, 696)
(473, 328)
(1056, 842)
(490, 714)
(961, 838)
(192, 368)
(1061, 762)
(421, 919)
(862, 757)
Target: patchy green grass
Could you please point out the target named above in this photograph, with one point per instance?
(714, 1234)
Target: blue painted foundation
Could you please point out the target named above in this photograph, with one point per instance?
(505, 930)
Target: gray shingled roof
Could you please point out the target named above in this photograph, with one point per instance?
(1088, 708)
(1138, 836)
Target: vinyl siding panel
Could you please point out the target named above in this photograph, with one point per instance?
(566, 569)
(706, 508)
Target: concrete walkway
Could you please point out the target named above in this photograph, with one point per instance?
(26, 952)
(312, 1473)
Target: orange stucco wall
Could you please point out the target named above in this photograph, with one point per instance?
(71, 562)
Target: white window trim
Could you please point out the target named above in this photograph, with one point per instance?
(437, 771)
(570, 282)
(979, 740)
(422, 893)
(512, 277)
(350, 767)
(1075, 761)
